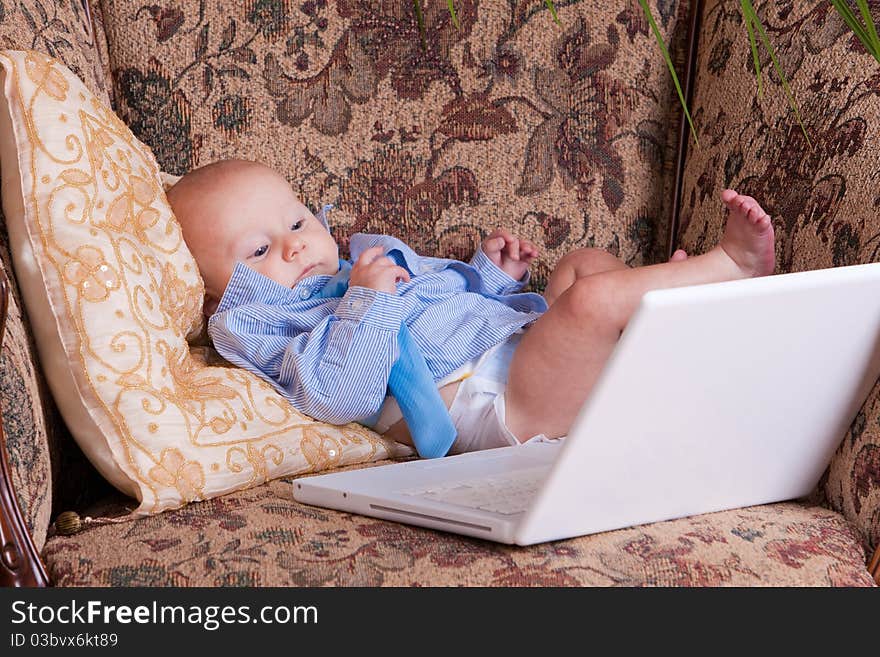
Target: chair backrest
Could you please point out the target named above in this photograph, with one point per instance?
(566, 132)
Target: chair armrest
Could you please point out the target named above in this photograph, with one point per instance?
(20, 563)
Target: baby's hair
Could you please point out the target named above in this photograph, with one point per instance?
(209, 172)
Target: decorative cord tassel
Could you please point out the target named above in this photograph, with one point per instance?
(69, 523)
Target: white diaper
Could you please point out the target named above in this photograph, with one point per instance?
(478, 411)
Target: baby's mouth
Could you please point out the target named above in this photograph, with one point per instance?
(303, 274)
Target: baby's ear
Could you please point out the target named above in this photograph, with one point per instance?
(210, 305)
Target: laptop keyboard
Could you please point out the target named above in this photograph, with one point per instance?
(506, 493)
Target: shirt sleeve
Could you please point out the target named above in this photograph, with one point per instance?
(496, 281)
(337, 372)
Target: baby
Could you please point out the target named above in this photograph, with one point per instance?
(510, 366)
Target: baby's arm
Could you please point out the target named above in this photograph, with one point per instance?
(338, 372)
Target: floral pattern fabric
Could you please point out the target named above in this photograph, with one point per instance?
(63, 30)
(262, 537)
(24, 424)
(822, 193)
(562, 133)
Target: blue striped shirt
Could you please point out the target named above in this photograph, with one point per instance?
(331, 357)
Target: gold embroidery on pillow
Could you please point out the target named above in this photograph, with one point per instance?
(181, 302)
(257, 459)
(44, 77)
(320, 450)
(89, 272)
(186, 476)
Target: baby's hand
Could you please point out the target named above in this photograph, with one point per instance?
(377, 272)
(510, 254)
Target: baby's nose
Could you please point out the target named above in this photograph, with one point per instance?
(293, 246)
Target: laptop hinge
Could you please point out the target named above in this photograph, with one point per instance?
(874, 566)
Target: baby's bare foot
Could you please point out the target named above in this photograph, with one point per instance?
(748, 236)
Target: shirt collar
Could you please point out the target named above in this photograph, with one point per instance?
(249, 286)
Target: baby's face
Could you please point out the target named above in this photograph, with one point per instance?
(252, 216)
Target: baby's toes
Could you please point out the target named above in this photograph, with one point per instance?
(761, 218)
(749, 206)
(743, 203)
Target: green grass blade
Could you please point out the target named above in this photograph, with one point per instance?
(867, 35)
(421, 21)
(850, 19)
(669, 65)
(869, 23)
(754, 46)
(747, 6)
(452, 11)
(552, 9)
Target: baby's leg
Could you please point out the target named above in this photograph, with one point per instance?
(561, 355)
(578, 264)
(586, 262)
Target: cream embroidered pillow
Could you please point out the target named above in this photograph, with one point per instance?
(113, 293)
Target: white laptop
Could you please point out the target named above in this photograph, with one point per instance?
(716, 397)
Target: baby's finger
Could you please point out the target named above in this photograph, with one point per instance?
(370, 255)
(503, 234)
(390, 276)
(493, 244)
(388, 263)
(512, 249)
(383, 264)
(527, 250)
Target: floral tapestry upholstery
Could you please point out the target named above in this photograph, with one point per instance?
(564, 133)
(24, 422)
(100, 37)
(39, 447)
(63, 30)
(262, 537)
(823, 196)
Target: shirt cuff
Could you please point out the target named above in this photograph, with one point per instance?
(495, 280)
(380, 310)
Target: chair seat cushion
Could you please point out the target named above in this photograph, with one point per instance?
(262, 537)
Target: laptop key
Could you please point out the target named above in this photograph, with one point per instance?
(508, 493)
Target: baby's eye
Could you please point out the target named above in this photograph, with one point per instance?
(260, 252)
(297, 225)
